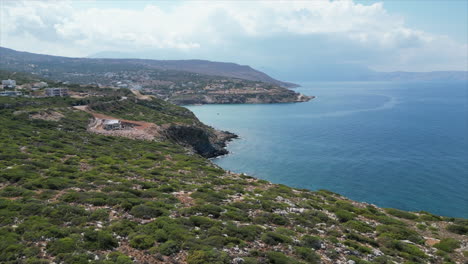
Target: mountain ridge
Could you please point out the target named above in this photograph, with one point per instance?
(224, 69)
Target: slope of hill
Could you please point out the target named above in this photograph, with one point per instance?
(20, 61)
(182, 82)
(70, 194)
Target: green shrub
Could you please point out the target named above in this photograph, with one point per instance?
(142, 241)
(399, 233)
(63, 245)
(426, 216)
(362, 239)
(382, 260)
(118, 258)
(359, 226)
(458, 229)
(401, 214)
(168, 248)
(275, 257)
(358, 247)
(201, 221)
(311, 242)
(246, 232)
(406, 250)
(205, 209)
(208, 257)
(307, 254)
(448, 245)
(123, 227)
(413, 251)
(421, 227)
(12, 191)
(272, 238)
(147, 212)
(99, 240)
(344, 216)
(345, 205)
(357, 260)
(161, 235)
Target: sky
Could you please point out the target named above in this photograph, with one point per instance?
(282, 38)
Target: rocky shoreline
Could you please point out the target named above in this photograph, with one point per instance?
(205, 141)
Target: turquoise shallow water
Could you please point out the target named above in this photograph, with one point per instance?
(401, 145)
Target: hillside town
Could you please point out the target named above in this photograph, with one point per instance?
(36, 90)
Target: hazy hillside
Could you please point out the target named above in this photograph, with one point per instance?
(21, 61)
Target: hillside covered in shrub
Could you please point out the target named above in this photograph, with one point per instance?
(71, 196)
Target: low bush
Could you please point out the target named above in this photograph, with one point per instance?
(399, 233)
(448, 244)
(458, 229)
(275, 257)
(208, 257)
(142, 241)
(168, 248)
(147, 212)
(63, 245)
(344, 216)
(401, 214)
(311, 242)
(307, 254)
(272, 238)
(359, 226)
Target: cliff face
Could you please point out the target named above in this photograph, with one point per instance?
(207, 142)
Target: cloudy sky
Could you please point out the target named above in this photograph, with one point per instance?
(275, 36)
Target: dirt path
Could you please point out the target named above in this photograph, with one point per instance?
(140, 96)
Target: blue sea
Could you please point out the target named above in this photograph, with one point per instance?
(399, 145)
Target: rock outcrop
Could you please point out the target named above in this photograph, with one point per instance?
(205, 141)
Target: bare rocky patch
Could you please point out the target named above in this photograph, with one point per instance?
(47, 115)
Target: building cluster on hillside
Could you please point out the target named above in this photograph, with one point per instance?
(8, 84)
(36, 89)
(11, 93)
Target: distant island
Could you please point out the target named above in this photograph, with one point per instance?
(179, 82)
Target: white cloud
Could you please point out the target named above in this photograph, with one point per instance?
(200, 27)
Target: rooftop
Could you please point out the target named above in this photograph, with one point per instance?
(111, 121)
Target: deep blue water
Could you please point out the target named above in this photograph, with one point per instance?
(400, 145)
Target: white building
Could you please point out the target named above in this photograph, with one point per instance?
(9, 83)
(112, 124)
(40, 85)
(56, 92)
(11, 93)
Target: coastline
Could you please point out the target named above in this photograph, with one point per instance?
(234, 116)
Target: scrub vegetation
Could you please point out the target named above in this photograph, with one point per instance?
(71, 196)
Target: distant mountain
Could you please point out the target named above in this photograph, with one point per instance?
(26, 62)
